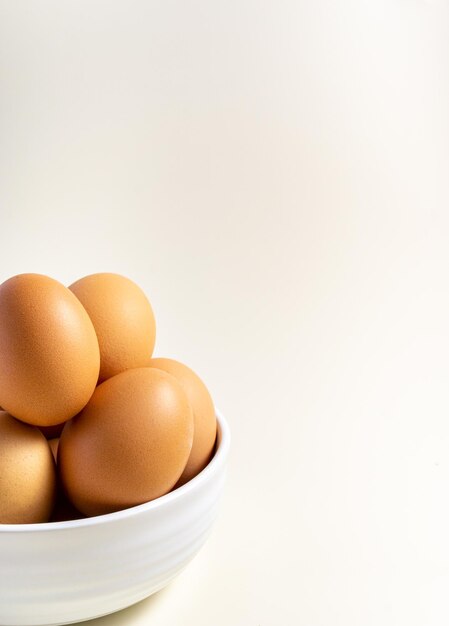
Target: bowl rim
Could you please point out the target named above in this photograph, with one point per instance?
(217, 460)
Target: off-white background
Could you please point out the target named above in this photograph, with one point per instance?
(275, 175)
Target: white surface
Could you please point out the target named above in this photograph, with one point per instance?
(275, 176)
(62, 572)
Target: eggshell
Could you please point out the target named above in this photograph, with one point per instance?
(54, 443)
(130, 444)
(123, 320)
(50, 355)
(27, 473)
(205, 422)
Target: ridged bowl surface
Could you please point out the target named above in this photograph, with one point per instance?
(65, 572)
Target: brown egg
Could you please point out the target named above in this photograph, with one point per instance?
(52, 432)
(130, 444)
(54, 443)
(205, 423)
(50, 356)
(27, 473)
(123, 320)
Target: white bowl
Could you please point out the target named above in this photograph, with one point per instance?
(65, 572)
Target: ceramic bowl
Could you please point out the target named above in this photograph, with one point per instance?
(65, 572)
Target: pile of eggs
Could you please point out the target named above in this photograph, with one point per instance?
(90, 423)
